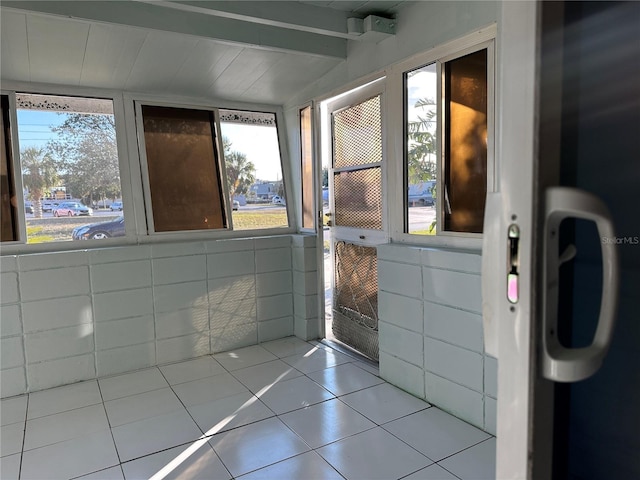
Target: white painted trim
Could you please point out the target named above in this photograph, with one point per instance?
(479, 40)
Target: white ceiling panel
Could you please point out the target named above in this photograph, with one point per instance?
(111, 53)
(14, 55)
(203, 65)
(291, 74)
(56, 48)
(159, 60)
(243, 71)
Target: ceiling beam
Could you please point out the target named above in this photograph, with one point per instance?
(230, 30)
(283, 14)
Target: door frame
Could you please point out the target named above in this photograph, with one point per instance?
(337, 101)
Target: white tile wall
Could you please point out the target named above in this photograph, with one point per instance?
(60, 372)
(434, 294)
(56, 313)
(400, 278)
(170, 298)
(491, 376)
(126, 359)
(44, 261)
(461, 290)
(401, 311)
(179, 269)
(54, 283)
(231, 289)
(273, 283)
(275, 307)
(404, 344)
(305, 283)
(233, 336)
(123, 304)
(305, 306)
(59, 343)
(404, 375)
(11, 323)
(460, 401)
(9, 287)
(304, 259)
(274, 329)
(220, 265)
(454, 326)
(113, 310)
(182, 322)
(454, 363)
(13, 381)
(181, 348)
(121, 333)
(119, 254)
(232, 313)
(273, 260)
(490, 415)
(120, 276)
(11, 352)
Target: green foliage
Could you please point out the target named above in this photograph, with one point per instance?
(86, 154)
(422, 143)
(240, 171)
(325, 177)
(39, 174)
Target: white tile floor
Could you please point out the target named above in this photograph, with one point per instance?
(282, 410)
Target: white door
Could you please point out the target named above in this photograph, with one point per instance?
(356, 214)
(521, 255)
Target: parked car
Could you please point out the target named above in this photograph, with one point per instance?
(71, 209)
(48, 206)
(236, 204)
(97, 231)
(277, 200)
(28, 207)
(116, 206)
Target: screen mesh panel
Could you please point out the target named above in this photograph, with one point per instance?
(358, 198)
(357, 134)
(355, 298)
(356, 294)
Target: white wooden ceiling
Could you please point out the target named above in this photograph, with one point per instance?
(179, 48)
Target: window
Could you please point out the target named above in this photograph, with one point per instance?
(254, 169)
(306, 170)
(200, 180)
(70, 167)
(7, 185)
(183, 169)
(446, 150)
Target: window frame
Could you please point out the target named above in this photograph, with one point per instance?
(133, 103)
(482, 39)
(21, 246)
(133, 196)
(315, 171)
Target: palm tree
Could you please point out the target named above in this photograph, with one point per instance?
(240, 171)
(39, 174)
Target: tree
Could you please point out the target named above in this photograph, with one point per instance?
(422, 143)
(325, 177)
(39, 174)
(240, 171)
(87, 155)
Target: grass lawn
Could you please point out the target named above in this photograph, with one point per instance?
(259, 219)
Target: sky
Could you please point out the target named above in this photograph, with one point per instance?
(258, 143)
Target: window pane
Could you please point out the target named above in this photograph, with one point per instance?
(358, 198)
(183, 170)
(465, 142)
(254, 169)
(7, 183)
(421, 150)
(70, 169)
(357, 134)
(306, 156)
